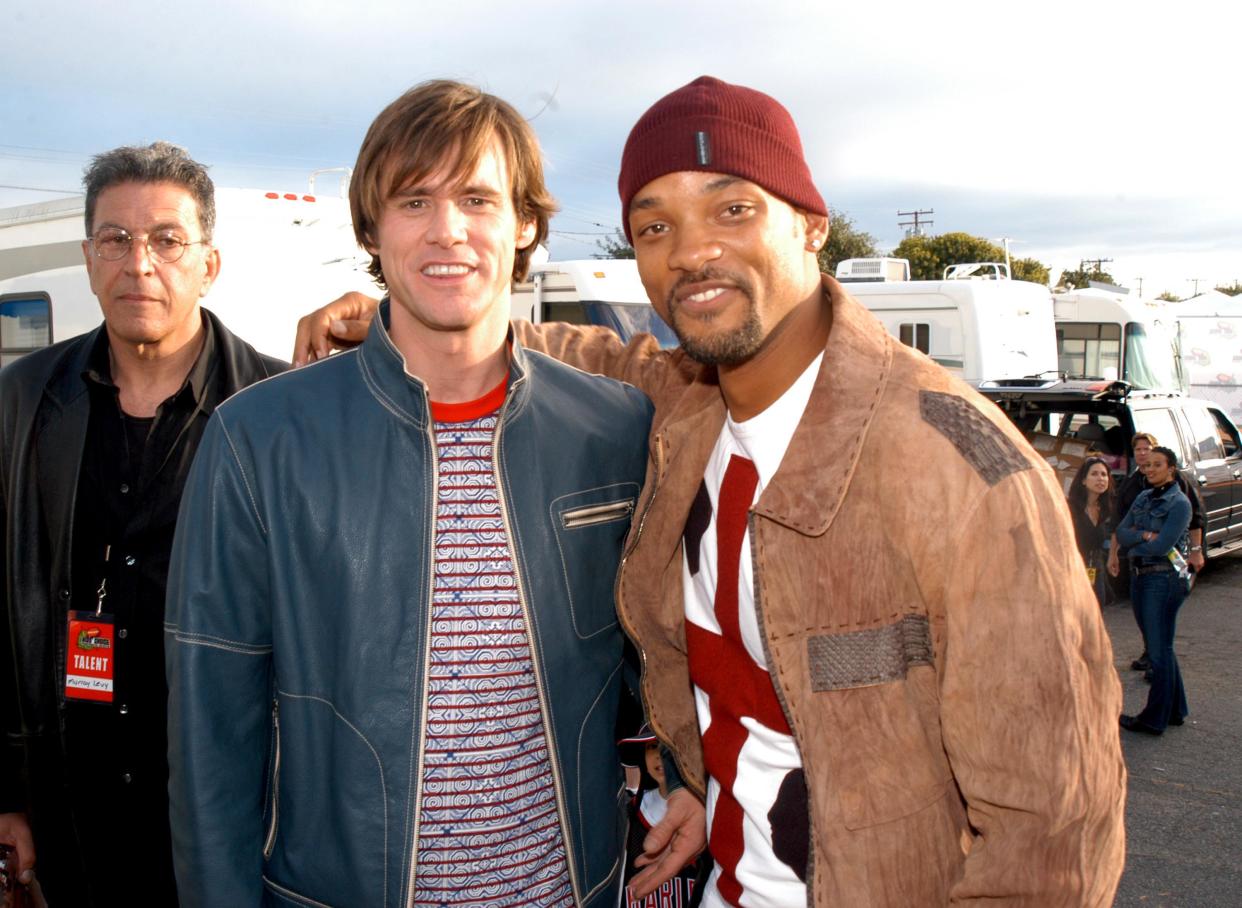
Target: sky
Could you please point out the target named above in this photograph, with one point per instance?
(1080, 130)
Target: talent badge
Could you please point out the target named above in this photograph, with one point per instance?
(91, 662)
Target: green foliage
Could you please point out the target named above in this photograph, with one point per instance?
(845, 241)
(930, 255)
(614, 247)
(1169, 297)
(1076, 279)
(1231, 289)
(1031, 270)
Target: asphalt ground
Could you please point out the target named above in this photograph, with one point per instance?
(1184, 810)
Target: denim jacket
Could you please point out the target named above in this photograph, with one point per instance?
(298, 610)
(1165, 511)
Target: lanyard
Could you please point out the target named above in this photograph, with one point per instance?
(102, 592)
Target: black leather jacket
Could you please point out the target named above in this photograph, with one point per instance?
(44, 416)
(298, 613)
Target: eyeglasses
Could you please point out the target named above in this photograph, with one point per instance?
(113, 244)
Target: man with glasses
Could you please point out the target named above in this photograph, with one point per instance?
(96, 437)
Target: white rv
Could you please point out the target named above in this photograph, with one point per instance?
(1106, 333)
(977, 325)
(282, 254)
(590, 292)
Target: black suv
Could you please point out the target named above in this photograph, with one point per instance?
(1106, 415)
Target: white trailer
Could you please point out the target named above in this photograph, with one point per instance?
(590, 292)
(1109, 334)
(282, 255)
(1210, 332)
(977, 329)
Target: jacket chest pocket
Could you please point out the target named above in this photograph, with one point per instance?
(590, 527)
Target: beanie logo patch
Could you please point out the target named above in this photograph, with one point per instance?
(702, 148)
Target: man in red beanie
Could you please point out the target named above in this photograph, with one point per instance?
(890, 693)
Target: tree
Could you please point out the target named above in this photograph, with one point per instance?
(1231, 289)
(845, 241)
(1169, 297)
(930, 255)
(1077, 278)
(614, 247)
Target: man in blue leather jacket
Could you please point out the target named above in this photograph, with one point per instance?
(404, 690)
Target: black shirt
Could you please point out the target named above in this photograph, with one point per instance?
(129, 489)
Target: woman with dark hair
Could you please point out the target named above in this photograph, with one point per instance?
(1155, 532)
(1091, 497)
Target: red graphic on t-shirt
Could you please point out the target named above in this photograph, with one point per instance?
(721, 667)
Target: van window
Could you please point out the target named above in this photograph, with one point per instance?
(1226, 432)
(916, 335)
(1160, 423)
(25, 324)
(1204, 437)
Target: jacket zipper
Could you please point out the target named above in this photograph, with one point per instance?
(269, 843)
(558, 783)
(616, 591)
(422, 713)
(597, 514)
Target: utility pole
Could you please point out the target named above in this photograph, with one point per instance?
(915, 227)
(1098, 263)
(1196, 283)
(1140, 283)
(1008, 267)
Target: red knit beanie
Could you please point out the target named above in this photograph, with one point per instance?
(721, 128)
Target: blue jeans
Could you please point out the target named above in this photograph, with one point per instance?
(1157, 598)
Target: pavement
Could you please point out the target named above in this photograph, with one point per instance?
(1184, 810)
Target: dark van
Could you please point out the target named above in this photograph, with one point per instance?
(1106, 415)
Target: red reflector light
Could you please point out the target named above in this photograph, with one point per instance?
(291, 196)
(308, 198)
(270, 195)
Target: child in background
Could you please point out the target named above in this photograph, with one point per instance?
(641, 752)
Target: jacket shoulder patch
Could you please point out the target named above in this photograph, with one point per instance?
(864, 658)
(985, 447)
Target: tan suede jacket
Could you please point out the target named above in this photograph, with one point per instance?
(929, 629)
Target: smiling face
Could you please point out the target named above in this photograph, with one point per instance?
(447, 243)
(148, 303)
(722, 260)
(1158, 469)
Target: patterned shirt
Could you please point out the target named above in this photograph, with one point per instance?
(489, 830)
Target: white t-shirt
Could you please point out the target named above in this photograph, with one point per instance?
(757, 821)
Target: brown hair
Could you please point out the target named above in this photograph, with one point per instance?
(434, 123)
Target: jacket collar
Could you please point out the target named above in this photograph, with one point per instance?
(224, 356)
(824, 451)
(383, 368)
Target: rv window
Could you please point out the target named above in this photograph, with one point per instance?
(25, 324)
(1089, 350)
(916, 335)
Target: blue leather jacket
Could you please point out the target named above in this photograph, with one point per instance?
(297, 623)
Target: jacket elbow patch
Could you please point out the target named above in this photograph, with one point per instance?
(985, 447)
(864, 658)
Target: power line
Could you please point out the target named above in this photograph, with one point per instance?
(39, 189)
(915, 227)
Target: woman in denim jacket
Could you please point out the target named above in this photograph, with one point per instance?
(1155, 525)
